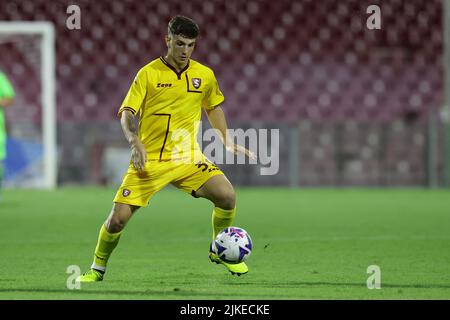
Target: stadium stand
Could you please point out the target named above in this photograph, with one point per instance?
(365, 94)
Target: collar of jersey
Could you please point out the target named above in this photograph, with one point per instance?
(173, 68)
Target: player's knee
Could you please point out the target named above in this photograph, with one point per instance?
(115, 224)
(226, 200)
(120, 214)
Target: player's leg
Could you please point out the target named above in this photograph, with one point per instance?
(135, 192)
(204, 179)
(108, 238)
(220, 192)
(2, 152)
(2, 172)
(110, 233)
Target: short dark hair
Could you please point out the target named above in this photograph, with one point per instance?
(183, 26)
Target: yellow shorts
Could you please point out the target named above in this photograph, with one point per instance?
(137, 189)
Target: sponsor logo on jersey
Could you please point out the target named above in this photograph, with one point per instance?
(163, 85)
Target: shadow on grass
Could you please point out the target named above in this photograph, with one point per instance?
(299, 284)
(186, 294)
(151, 293)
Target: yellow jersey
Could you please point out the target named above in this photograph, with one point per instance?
(169, 104)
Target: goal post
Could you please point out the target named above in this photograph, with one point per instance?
(446, 105)
(46, 31)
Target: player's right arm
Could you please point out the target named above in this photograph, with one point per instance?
(129, 109)
(138, 153)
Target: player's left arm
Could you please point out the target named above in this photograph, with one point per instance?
(218, 121)
(5, 102)
(212, 105)
(6, 91)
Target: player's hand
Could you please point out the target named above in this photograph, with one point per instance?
(138, 155)
(235, 149)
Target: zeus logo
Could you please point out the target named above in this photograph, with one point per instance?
(163, 85)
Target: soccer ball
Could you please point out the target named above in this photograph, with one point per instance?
(232, 245)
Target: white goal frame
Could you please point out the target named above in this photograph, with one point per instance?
(48, 97)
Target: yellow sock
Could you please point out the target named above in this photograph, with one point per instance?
(221, 219)
(105, 246)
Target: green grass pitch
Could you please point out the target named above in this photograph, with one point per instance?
(308, 244)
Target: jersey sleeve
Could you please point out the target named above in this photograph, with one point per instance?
(214, 96)
(136, 94)
(6, 89)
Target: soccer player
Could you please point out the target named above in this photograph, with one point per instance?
(169, 94)
(6, 99)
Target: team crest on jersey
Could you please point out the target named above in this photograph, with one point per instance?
(126, 192)
(196, 82)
